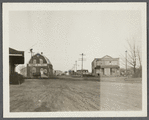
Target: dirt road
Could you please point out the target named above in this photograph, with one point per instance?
(69, 95)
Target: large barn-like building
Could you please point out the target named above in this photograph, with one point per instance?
(39, 66)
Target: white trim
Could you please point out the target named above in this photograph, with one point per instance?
(37, 64)
(15, 55)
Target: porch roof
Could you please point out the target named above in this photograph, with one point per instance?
(16, 57)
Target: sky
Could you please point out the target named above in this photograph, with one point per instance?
(63, 35)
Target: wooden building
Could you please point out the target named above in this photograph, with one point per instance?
(106, 66)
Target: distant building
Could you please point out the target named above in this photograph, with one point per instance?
(39, 66)
(84, 71)
(106, 66)
(72, 72)
(57, 72)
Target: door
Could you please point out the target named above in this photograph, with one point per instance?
(107, 71)
(41, 71)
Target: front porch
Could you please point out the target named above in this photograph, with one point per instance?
(107, 71)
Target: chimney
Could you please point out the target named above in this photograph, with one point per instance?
(41, 53)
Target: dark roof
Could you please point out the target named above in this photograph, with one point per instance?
(47, 60)
(107, 66)
(106, 57)
(16, 57)
(13, 51)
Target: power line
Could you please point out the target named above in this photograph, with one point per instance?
(31, 46)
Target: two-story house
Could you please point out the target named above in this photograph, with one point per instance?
(106, 66)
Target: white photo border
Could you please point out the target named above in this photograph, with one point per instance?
(72, 6)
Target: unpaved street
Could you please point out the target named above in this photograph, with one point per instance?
(36, 95)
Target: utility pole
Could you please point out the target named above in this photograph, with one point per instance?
(82, 62)
(31, 51)
(126, 62)
(76, 66)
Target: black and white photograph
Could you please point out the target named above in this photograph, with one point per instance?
(74, 60)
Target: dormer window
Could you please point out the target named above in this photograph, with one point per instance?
(33, 70)
(34, 61)
(41, 61)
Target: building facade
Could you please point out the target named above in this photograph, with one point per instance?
(39, 66)
(57, 72)
(106, 66)
(79, 72)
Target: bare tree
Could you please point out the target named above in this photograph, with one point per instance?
(139, 61)
(139, 57)
(133, 56)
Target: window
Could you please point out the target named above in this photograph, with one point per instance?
(34, 61)
(41, 61)
(106, 62)
(45, 70)
(114, 62)
(33, 70)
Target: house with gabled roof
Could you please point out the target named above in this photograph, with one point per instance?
(106, 66)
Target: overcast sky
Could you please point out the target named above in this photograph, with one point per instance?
(63, 35)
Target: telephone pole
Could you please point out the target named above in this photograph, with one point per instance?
(76, 66)
(82, 62)
(31, 51)
(126, 62)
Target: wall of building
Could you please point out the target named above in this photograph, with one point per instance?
(107, 62)
(11, 68)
